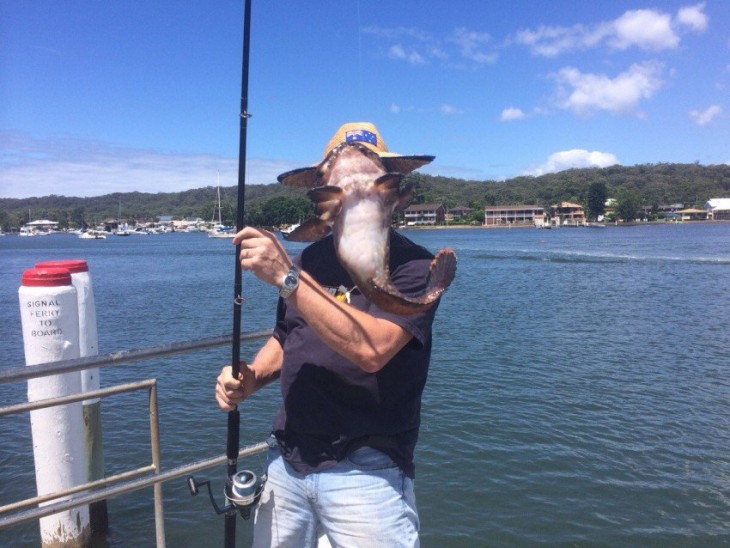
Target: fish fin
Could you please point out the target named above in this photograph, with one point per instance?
(404, 196)
(390, 181)
(328, 201)
(324, 193)
(385, 295)
(327, 211)
(310, 230)
(388, 186)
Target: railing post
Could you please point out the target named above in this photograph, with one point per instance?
(50, 322)
(156, 462)
(90, 380)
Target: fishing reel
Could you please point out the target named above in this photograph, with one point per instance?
(242, 492)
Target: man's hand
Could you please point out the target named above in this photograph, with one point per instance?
(229, 391)
(262, 254)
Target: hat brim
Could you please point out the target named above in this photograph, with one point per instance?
(306, 177)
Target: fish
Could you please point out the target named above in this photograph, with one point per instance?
(355, 198)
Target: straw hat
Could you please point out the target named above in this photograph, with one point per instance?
(366, 134)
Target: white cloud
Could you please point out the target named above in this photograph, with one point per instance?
(584, 93)
(395, 109)
(704, 117)
(512, 113)
(472, 45)
(69, 167)
(420, 48)
(693, 17)
(398, 52)
(646, 29)
(450, 110)
(575, 158)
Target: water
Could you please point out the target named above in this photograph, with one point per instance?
(579, 391)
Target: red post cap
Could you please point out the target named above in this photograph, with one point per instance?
(46, 277)
(74, 266)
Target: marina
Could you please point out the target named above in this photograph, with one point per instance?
(578, 391)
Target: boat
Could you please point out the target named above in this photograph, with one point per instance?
(289, 229)
(27, 231)
(92, 235)
(220, 230)
(122, 228)
(38, 228)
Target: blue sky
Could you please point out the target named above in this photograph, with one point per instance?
(100, 97)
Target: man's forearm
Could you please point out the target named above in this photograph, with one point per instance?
(365, 340)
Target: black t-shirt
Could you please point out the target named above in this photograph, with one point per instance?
(332, 407)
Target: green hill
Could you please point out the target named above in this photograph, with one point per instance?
(650, 184)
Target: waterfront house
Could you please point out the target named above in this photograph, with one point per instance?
(718, 209)
(424, 214)
(457, 213)
(514, 215)
(568, 214)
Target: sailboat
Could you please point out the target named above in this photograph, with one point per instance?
(122, 230)
(220, 230)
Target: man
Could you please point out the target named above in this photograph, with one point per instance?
(351, 377)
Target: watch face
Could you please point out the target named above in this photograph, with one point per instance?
(289, 283)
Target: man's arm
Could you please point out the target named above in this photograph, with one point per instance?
(264, 369)
(365, 340)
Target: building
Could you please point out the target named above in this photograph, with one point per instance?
(692, 214)
(568, 214)
(424, 214)
(718, 209)
(661, 209)
(514, 215)
(457, 213)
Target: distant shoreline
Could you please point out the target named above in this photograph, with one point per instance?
(509, 227)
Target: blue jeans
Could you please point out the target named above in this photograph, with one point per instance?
(365, 500)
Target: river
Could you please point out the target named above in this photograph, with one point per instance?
(579, 391)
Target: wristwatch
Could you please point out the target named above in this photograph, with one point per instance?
(290, 282)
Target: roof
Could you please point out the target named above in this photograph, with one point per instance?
(42, 222)
(715, 204)
(512, 207)
(423, 207)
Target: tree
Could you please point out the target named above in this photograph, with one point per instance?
(285, 210)
(628, 204)
(596, 200)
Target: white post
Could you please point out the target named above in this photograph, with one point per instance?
(50, 323)
(88, 346)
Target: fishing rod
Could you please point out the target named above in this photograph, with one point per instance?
(242, 489)
(234, 415)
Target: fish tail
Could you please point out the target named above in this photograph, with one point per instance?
(385, 295)
(442, 271)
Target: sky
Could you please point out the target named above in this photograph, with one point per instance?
(103, 97)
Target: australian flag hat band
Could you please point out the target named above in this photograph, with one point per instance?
(362, 135)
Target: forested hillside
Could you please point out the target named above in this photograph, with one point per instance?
(270, 205)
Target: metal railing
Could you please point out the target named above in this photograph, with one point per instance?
(124, 482)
